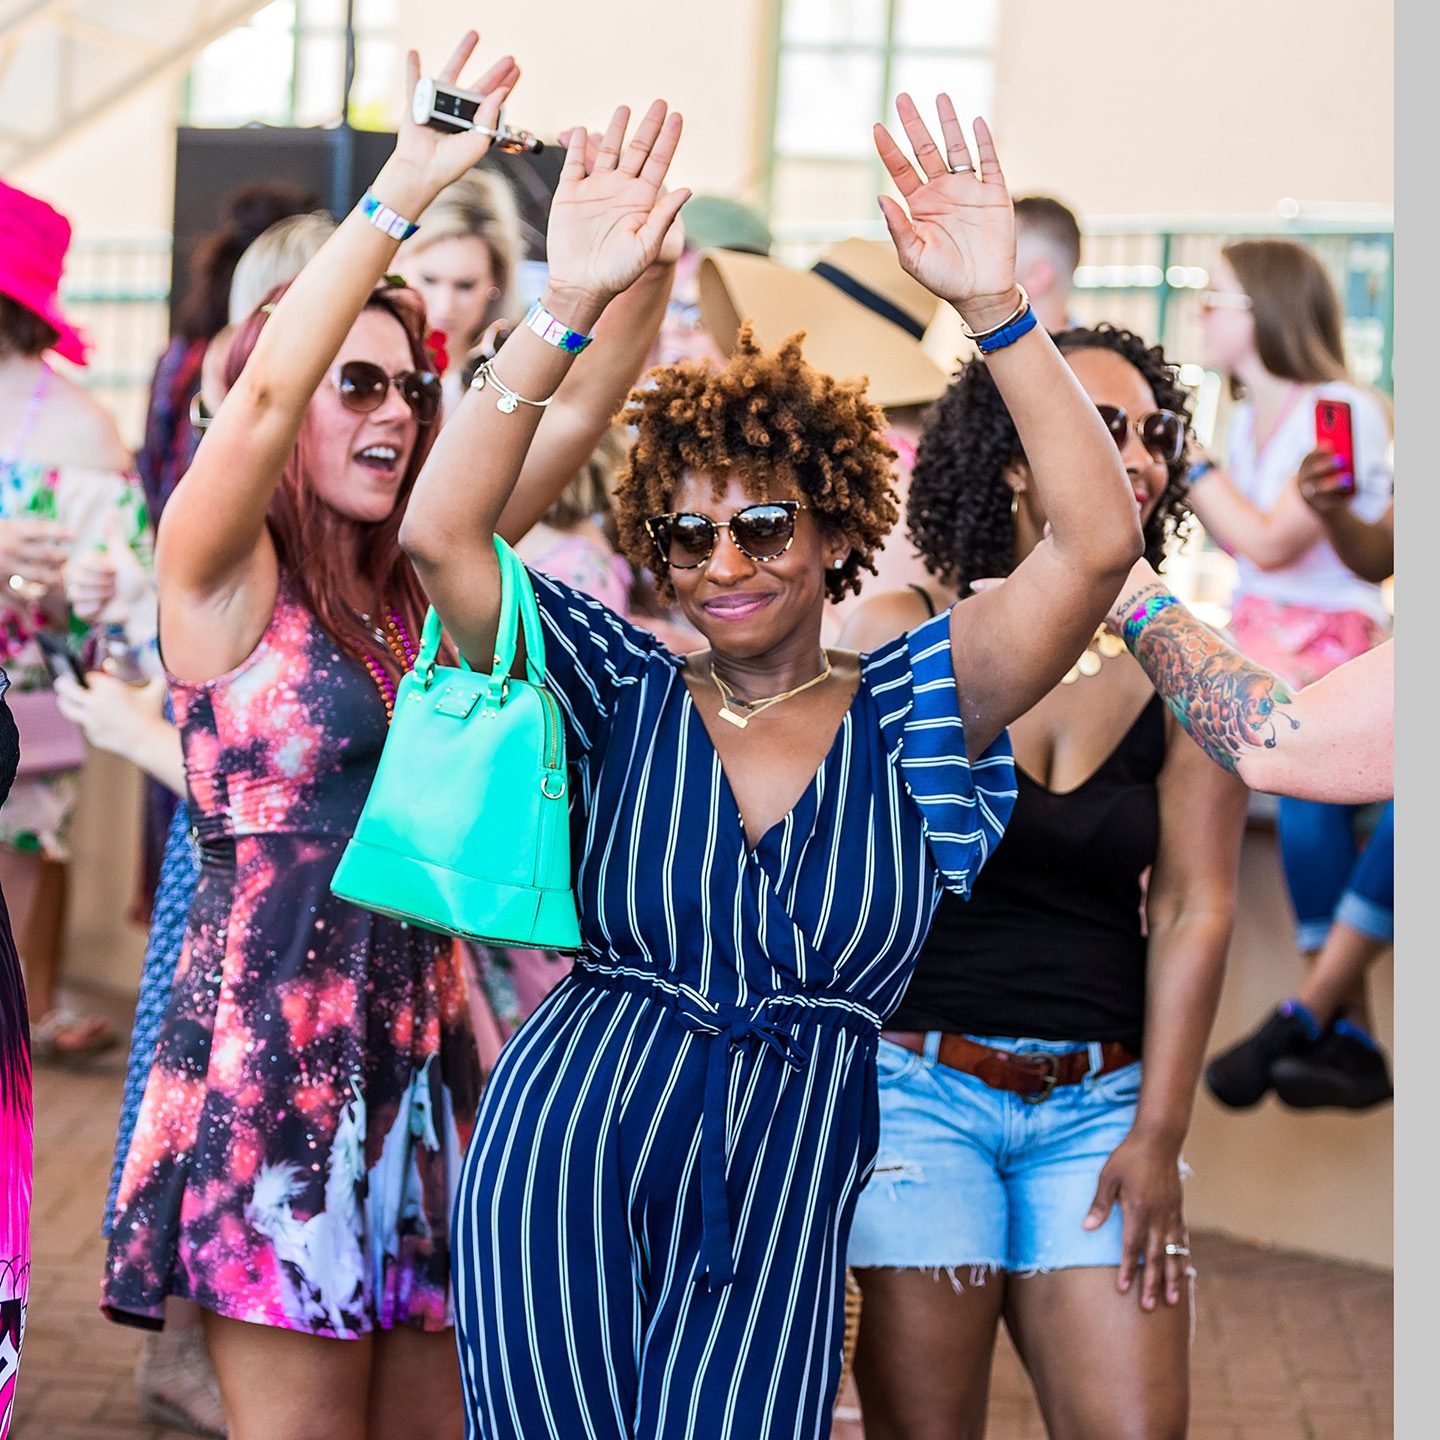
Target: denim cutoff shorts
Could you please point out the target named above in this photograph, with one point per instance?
(968, 1176)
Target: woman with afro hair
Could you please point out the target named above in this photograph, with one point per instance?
(1028, 1167)
(651, 1227)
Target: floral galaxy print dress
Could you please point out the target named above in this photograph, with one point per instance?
(315, 1079)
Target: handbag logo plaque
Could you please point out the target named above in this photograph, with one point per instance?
(466, 829)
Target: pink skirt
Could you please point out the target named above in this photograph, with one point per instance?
(1299, 642)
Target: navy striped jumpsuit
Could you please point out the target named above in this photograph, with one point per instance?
(652, 1218)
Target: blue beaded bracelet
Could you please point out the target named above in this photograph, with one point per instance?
(384, 219)
(1008, 334)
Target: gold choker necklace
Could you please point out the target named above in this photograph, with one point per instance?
(740, 713)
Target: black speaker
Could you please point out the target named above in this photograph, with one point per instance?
(337, 163)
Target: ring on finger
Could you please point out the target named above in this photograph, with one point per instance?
(1173, 1249)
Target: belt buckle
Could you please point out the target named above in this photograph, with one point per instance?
(1051, 1078)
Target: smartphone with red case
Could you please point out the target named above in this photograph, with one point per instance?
(1333, 431)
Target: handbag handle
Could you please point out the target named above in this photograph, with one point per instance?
(518, 611)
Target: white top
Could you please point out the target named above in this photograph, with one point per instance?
(1319, 577)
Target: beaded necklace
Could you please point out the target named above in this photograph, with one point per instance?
(396, 638)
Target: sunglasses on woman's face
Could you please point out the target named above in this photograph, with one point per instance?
(1161, 432)
(761, 532)
(363, 385)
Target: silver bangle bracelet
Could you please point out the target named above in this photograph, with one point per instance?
(510, 400)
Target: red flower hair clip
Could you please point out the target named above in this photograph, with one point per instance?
(439, 355)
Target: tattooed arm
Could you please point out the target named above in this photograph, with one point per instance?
(1333, 740)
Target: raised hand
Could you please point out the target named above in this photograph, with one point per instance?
(438, 157)
(612, 213)
(958, 239)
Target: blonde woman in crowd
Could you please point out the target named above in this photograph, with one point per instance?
(463, 261)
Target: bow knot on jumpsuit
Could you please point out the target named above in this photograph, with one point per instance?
(652, 1219)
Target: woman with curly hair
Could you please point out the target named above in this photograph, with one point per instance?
(651, 1227)
(1026, 1169)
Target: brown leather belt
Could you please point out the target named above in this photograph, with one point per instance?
(1031, 1075)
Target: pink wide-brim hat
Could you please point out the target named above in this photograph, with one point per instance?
(34, 237)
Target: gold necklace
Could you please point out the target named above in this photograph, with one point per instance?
(729, 698)
(1103, 646)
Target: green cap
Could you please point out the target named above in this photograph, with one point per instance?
(715, 222)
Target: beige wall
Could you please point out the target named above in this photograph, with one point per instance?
(582, 59)
(1221, 109)
(1125, 108)
(115, 177)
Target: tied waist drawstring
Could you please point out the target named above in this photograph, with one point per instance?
(726, 1028)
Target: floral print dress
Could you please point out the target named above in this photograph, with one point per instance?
(315, 1079)
(36, 817)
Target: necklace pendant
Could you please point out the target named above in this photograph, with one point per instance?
(738, 721)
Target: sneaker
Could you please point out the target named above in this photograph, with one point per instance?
(177, 1385)
(1240, 1076)
(1338, 1071)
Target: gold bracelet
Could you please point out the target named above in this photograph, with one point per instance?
(1010, 319)
(510, 400)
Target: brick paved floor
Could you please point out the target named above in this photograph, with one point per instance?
(1287, 1347)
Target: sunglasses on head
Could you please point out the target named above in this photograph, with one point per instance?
(362, 386)
(760, 532)
(1161, 432)
(1225, 300)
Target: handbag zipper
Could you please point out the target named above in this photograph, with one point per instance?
(552, 727)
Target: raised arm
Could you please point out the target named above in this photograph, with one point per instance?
(596, 387)
(1013, 644)
(1333, 740)
(607, 225)
(215, 563)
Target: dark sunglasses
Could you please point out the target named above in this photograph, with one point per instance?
(1161, 432)
(761, 532)
(362, 386)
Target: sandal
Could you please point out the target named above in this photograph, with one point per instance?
(177, 1386)
(65, 1035)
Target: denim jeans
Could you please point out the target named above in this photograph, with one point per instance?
(1330, 877)
(972, 1178)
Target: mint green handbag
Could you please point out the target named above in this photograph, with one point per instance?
(466, 829)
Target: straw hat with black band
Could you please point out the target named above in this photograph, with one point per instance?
(861, 313)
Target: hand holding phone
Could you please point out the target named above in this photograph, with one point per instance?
(1334, 432)
(56, 657)
(448, 108)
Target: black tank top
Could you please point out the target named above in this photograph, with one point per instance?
(1050, 945)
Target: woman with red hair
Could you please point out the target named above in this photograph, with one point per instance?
(315, 1080)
